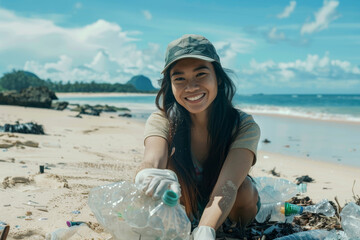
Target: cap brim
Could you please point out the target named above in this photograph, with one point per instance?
(188, 56)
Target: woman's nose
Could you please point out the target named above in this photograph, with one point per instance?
(192, 86)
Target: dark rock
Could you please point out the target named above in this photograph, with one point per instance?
(128, 115)
(31, 128)
(274, 173)
(59, 105)
(266, 141)
(40, 97)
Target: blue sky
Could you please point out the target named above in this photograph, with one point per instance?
(305, 46)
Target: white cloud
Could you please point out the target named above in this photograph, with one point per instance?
(229, 49)
(147, 14)
(323, 17)
(312, 72)
(288, 10)
(78, 5)
(100, 51)
(274, 36)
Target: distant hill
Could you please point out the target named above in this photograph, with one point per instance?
(141, 83)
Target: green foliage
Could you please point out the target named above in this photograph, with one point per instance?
(17, 80)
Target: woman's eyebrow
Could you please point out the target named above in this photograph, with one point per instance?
(194, 70)
(201, 67)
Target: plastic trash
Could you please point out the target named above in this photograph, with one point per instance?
(64, 233)
(108, 202)
(350, 220)
(310, 235)
(167, 220)
(284, 211)
(272, 190)
(127, 213)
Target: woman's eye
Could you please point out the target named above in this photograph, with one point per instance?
(179, 79)
(200, 74)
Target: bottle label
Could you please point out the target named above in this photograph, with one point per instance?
(292, 209)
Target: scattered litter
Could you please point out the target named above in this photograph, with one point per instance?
(76, 212)
(4, 149)
(29, 127)
(44, 210)
(21, 217)
(71, 223)
(7, 205)
(265, 157)
(17, 226)
(304, 178)
(28, 218)
(43, 219)
(274, 173)
(28, 213)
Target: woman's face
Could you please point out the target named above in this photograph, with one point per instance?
(194, 84)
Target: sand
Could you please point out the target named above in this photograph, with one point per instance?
(82, 153)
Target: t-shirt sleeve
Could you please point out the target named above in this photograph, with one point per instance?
(157, 125)
(248, 136)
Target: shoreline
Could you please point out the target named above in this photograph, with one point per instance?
(102, 94)
(82, 153)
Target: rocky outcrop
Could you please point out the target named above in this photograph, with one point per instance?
(40, 97)
(59, 105)
(141, 83)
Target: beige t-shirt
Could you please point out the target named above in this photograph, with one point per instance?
(248, 137)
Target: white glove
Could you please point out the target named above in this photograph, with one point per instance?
(154, 182)
(203, 233)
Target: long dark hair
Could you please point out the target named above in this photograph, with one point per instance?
(223, 126)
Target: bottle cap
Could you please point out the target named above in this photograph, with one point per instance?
(170, 198)
(292, 209)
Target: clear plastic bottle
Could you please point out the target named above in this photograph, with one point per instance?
(350, 220)
(65, 233)
(284, 211)
(127, 213)
(272, 190)
(108, 203)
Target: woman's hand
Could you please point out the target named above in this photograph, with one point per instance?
(203, 233)
(154, 182)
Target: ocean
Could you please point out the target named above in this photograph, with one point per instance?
(321, 127)
(323, 107)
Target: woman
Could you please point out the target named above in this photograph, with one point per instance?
(200, 142)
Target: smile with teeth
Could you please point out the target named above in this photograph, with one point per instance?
(197, 97)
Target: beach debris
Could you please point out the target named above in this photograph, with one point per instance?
(60, 106)
(9, 182)
(287, 146)
(76, 212)
(43, 219)
(71, 223)
(5, 231)
(266, 141)
(28, 213)
(6, 143)
(27, 128)
(128, 115)
(304, 178)
(41, 168)
(274, 173)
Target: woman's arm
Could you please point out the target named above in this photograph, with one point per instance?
(155, 154)
(223, 196)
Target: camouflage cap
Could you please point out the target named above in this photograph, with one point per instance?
(190, 46)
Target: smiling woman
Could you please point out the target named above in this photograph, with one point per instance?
(199, 136)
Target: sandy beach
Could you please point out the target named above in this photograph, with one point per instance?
(82, 153)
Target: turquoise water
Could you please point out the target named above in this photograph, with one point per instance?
(323, 107)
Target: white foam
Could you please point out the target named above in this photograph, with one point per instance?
(298, 112)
